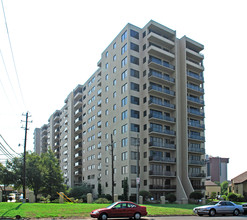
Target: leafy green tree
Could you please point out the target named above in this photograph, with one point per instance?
(52, 175)
(6, 178)
(213, 195)
(80, 192)
(145, 194)
(16, 167)
(34, 173)
(196, 195)
(224, 187)
(171, 197)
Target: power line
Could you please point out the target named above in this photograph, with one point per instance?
(8, 144)
(12, 54)
(5, 151)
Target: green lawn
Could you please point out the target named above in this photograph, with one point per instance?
(82, 210)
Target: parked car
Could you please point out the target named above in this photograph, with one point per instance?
(122, 209)
(245, 208)
(222, 207)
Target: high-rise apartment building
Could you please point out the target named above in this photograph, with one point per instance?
(148, 95)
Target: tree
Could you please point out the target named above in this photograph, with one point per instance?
(80, 192)
(171, 197)
(196, 195)
(6, 178)
(224, 187)
(34, 173)
(52, 175)
(145, 194)
(99, 189)
(213, 195)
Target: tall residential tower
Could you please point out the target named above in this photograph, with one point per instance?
(148, 95)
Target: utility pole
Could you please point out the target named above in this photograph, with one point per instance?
(112, 169)
(137, 171)
(24, 159)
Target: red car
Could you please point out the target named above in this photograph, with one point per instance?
(120, 210)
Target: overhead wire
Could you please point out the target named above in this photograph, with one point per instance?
(5, 151)
(12, 54)
(8, 144)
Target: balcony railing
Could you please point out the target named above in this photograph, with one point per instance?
(168, 105)
(159, 187)
(195, 112)
(197, 162)
(162, 159)
(196, 88)
(196, 150)
(162, 145)
(161, 63)
(162, 117)
(162, 90)
(202, 175)
(195, 124)
(197, 100)
(197, 137)
(162, 173)
(195, 76)
(169, 132)
(161, 76)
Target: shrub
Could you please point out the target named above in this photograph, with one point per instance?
(232, 197)
(106, 196)
(224, 197)
(102, 201)
(171, 197)
(196, 195)
(145, 194)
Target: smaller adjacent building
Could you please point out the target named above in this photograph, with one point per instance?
(239, 184)
(217, 168)
(211, 187)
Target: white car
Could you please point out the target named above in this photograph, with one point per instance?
(222, 207)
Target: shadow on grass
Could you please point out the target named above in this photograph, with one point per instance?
(16, 208)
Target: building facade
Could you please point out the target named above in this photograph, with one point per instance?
(217, 168)
(146, 98)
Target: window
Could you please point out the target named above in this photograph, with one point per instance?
(144, 34)
(124, 62)
(124, 88)
(124, 128)
(144, 60)
(134, 141)
(106, 112)
(124, 156)
(133, 169)
(114, 69)
(124, 75)
(114, 94)
(123, 36)
(133, 155)
(114, 119)
(134, 60)
(124, 169)
(106, 124)
(134, 86)
(114, 46)
(134, 100)
(124, 101)
(114, 107)
(135, 114)
(124, 49)
(135, 127)
(134, 73)
(144, 47)
(124, 142)
(134, 47)
(114, 57)
(106, 54)
(133, 183)
(134, 34)
(144, 86)
(106, 88)
(106, 100)
(106, 65)
(106, 77)
(124, 115)
(114, 82)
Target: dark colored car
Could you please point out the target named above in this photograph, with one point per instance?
(245, 208)
(121, 209)
(222, 207)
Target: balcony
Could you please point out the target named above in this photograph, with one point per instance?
(194, 66)
(78, 138)
(165, 188)
(196, 150)
(195, 89)
(159, 77)
(78, 172)
(99, 103)
(162, 173)
(78, 163)
(159, 39)
(162, 145)
(78, 95)
(78, 155)
(161, 104)
(78, 104)
(198, 187)
(78, 129)
(197, 162)
(78, 146)
(192, 54)
(197, 175)
(162, 159)
(198, 78)
(161, 117)
(78, 112)
(195, 100)
(161, 131)
(197, 137)
(161, 91)
(196, 125)
(160, 65)
(196, 112)
(78, 121)
(99, 92)
(158, 51)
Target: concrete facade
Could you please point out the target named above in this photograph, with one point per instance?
(148, 94)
